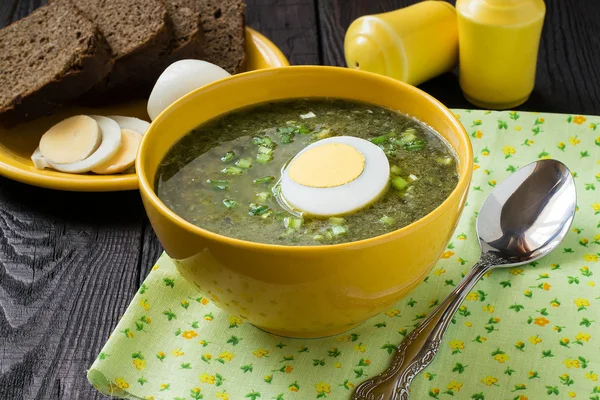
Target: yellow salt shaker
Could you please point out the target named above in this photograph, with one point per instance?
(413, 44)
(499, 42)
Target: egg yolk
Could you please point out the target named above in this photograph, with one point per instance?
(326, 166)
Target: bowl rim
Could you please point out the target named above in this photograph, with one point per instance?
(461, 187)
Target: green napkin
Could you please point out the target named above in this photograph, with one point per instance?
(523, 333)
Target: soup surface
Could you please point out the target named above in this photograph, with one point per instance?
(223, 176)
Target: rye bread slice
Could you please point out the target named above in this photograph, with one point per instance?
(187, 40)
(138, 32)
(47, 59)
(188, 36)
(224, 34)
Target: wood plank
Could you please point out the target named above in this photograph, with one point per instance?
(68, 269)
(290, 24)
(566, 76)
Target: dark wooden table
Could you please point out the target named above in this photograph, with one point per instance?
(71, 262)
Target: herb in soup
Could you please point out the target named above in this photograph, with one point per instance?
(225, 175)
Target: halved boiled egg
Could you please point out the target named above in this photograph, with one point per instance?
(335, 176)
(180, 78)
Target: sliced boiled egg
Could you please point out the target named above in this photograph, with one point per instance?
(39, 161)
(109, 146)
(180, 78)
(125, 157)
(335, 176)
(135, 124)
(71, 140)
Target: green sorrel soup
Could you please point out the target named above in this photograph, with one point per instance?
(224, 175)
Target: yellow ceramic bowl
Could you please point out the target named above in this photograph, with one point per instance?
(303, 291)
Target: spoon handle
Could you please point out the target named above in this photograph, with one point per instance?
(420, 347)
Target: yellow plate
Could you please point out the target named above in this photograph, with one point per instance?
(17, 144)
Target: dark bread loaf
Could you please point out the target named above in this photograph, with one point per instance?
(138, 32)
(47, 59)
(188, 36)
(224, 34)
(187, 40)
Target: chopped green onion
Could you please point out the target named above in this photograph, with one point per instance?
(232, 170)
(379, 140)
(339, 230)
(413, 177)
(264, 179)
(228, 156)
(319, 238)
(280, 215)
(328, 234)
(257, 209)
(337, 221)
(263, 158)
(267, 214)
(302, 130)
(221, 184)
(409, 131)
(309, 114)
(407, 140)
(230, 203)
(265, 150)
(444, 160)
(244, 163)
(263, 141)
(399, 183)
(387, 220)
(263, 197)
(286, 134)
(395, 170)
(418, 145)
(287, 138)
(290, 222)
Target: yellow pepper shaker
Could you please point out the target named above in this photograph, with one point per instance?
(499, 42)
(412, 44)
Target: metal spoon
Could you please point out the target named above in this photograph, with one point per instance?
(523, 219)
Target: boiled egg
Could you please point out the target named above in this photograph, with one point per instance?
(109, 146)
(135, 124)
(125, 157)
(71, 140)
(180, 78)
(39, 161)
(335, 176)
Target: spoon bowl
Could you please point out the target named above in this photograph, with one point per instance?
(524, 218)
(528, 214)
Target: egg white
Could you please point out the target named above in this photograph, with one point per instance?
(180, 78)
(367, 188)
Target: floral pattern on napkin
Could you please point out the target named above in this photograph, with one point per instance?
(523, 333)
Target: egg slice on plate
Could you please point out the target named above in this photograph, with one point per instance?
(135, 124)
(111, 142)
(335, 176)
(125, 157)
(71, 140)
